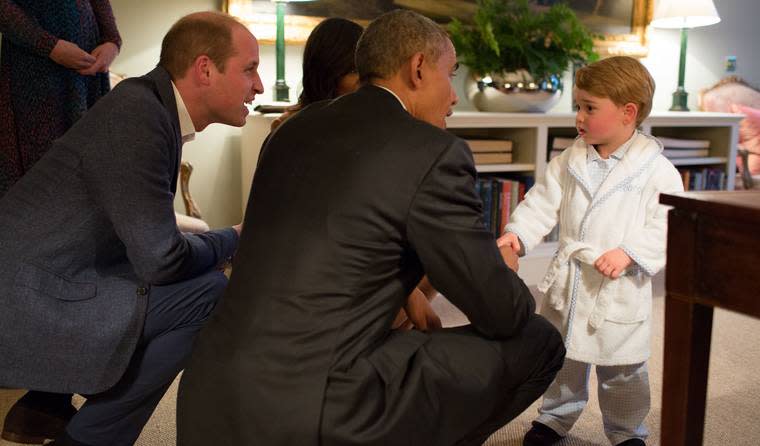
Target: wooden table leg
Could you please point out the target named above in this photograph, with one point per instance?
(688, 329)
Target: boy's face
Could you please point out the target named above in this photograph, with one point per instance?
(600, 121)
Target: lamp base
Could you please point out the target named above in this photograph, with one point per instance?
(680, 98)
(281, 91)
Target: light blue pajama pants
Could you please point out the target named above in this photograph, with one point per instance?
(623, 398)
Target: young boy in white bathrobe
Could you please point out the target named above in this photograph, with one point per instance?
(603, 192)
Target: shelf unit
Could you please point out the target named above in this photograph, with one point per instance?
(531, 134)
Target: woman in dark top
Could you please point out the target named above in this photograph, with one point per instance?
(53, 67)
(328, 64)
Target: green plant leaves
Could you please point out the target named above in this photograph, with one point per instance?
(507, 35)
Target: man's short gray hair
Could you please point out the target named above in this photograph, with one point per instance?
(392, 39)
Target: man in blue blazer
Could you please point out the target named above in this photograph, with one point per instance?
(102, 295)
(371, 192)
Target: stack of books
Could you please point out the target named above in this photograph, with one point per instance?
(558, 144)
(684, 148)
(491, 151)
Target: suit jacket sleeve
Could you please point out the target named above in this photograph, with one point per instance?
(460, 257)
(128, 172)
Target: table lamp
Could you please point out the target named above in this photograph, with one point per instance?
(281, 89)
(683, 14)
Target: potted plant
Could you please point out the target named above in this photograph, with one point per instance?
(517, 54)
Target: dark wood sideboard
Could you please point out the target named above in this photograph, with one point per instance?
(713, 261)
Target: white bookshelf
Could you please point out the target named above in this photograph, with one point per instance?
(531, 134)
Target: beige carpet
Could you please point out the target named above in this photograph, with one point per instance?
(733, 400)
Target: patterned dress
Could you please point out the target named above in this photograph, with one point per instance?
(39, 99)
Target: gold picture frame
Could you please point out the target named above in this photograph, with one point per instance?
(259, 16)
(636, 42)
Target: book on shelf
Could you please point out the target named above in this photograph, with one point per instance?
(685, 153)
(492, 157)
(489, 145)
(491, 151)
(557, 145)
(562, 142)
(678, 143)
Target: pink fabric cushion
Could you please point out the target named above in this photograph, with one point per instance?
(749, 135)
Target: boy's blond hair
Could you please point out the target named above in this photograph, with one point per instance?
(622, 79)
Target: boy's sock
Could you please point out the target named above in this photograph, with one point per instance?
(541, 435)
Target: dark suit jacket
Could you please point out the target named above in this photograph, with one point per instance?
(352, 200)
(84, 235)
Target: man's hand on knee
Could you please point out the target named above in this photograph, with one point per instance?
(420, 314)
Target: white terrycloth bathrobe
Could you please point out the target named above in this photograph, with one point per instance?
(610, 324)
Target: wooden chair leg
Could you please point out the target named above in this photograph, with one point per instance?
(191, 209)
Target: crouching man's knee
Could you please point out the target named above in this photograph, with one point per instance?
(548, 346)
(210, 289)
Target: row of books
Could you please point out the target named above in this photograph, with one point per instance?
(709, 178)
(673, 148)
(491, 151)
(500, 197)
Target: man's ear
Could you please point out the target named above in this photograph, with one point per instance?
(202, 69)
(415, 69)
(630, 112)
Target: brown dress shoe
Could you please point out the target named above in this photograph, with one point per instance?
(36, 417)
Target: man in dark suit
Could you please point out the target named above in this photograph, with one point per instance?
(352, 200)
(102, 295)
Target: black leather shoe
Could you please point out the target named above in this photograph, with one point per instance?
(633, 442)
(36, 417)
(541, 435)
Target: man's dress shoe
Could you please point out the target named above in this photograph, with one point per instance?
(29, 421)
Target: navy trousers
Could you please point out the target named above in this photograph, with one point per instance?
(175, 314)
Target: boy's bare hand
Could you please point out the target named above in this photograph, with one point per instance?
(509, 239)
(612, 263)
